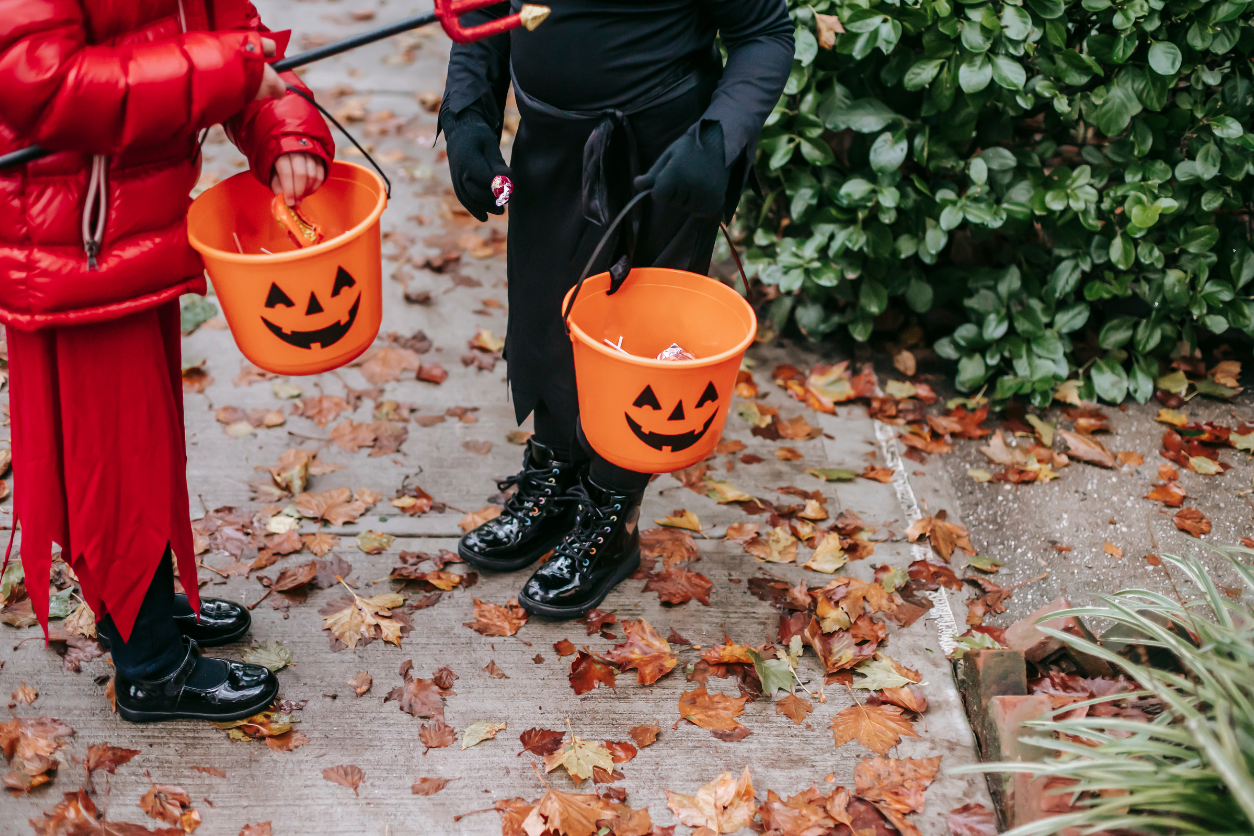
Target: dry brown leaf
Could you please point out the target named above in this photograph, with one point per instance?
(794, 708)
(942, 534)
(713, 712)
(877, 727)
(1087, 449)
(645, 650)
(367, 618)
(495, 620)
(1192, 521)
(725, 805)
(587, 671)
(429, 786)
(24, 694)
(436, 735)
(361, 682)
(477, 518)
(349, 776)
(679, 585)
(644, 734)
(172, 805)
(671, 545)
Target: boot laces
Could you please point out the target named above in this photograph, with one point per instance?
(536, 486)
(592, 523)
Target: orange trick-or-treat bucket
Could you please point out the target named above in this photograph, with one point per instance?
(295, 310)
(649, 415)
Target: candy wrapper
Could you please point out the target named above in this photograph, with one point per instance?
(675, 353)
(502, 188)
(302, 232)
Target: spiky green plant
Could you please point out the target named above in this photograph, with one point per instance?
(1190, 770)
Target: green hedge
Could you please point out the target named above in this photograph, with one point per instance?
(1067, 185)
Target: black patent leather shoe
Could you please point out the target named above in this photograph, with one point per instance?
(535, 518)
(221, 622)
(241, 691)
(600, 552)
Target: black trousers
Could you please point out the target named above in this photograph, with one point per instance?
(156, 646)
(550, 241)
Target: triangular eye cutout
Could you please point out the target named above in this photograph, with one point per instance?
(710, 394)
(277, 297)
(678, 414)
(647, 398)
(314, 305)
(342, 280)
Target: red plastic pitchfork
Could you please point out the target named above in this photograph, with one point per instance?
(447, 13)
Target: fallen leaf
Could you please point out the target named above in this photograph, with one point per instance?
(723, 493)
(567, 814)
(1192, 521)
(367, 618)
(788, 454)
(1168, 493)
(671, 545)
(565, 647)
(725, 805)
(541, 742)
(429, 786)
(361, 682)
(587, 671)
(1087, 449)
(273, 655)
(495, 620)
(972, 819)
(492, 670)
(31, 746)
(712, 712)
(942, 534)
(681, 518)
(24, 694)
(578, 757)
(877, 727)
(477, 518)
(211, 771)
(436, 735)
(832, 474)
(349, 776)
(479, 731)
(794, 708)
(172, 805)
(896, 786)
(645, 650)
(645, 734)
(678, 586)
(102, 756)
(388, 363)
(287, 741)
(1113, 550)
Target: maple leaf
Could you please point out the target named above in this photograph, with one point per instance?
(103, 756)
(578, 757)
(724, 805)
(672, 546)
(273, 655)
(170, 804)
(495, 620)
(882, 672)
(621, 751)
(879, 474)
(908, 697)
(429, 786)
(568, 814)
(485, 340)
(645, 650)
(337, 506)
(258, 829)
(31, 746)
(1192, 521)
(598, 621)
(678, 586)
(349, 776)
(374, 542)
(943, 535)
(972, 819)
(287, 741)
(322, 410)
(436, 735)
(742, 532)
(24, 694)
(877, 727)
(794, 708)
(896, 786)
(645, 734)
(588, 670)
(712, 712)
(77, 815)
(330, 569)
(828, 556)
(1168, 493)
(477, 518)
(565, 647)
(419, 698)
(368, 618)
(388, 363)
(541, 742)
(479, 731)
(724, 492)
(1087, 449)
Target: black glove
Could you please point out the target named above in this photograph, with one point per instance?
(691, 173)
(474, 158)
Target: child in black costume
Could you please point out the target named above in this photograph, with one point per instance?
(615, 96)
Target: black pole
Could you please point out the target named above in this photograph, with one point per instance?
(34, 152)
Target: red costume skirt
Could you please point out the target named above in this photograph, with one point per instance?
(99, 462)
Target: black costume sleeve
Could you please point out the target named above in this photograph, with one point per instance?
(478, 72)
(758, 36)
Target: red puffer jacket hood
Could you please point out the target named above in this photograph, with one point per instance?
(121, 89)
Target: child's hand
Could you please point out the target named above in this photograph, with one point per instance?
(272, 87)
(297, 175)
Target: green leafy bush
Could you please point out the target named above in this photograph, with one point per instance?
(1065, 186)
(1188, 769)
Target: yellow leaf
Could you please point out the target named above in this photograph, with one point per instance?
(1172, 417)
(681, 519)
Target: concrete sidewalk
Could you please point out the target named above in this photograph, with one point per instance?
(287, 788)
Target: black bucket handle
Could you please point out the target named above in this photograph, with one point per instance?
(344, 131)
(626, 210)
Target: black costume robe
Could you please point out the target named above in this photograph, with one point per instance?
(639, 73)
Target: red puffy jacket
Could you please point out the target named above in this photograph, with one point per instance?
(121, 89)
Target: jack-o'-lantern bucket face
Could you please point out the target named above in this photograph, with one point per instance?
(295, 311)
(649, 415)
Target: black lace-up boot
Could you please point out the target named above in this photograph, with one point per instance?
(535, 519)
(602, 550)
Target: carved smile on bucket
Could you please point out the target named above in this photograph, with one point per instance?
(675, 442)
(325, 336)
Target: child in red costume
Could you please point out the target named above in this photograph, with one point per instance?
(93, 259)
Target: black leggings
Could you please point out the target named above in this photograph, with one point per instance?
(560, 433)
(156, 646)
